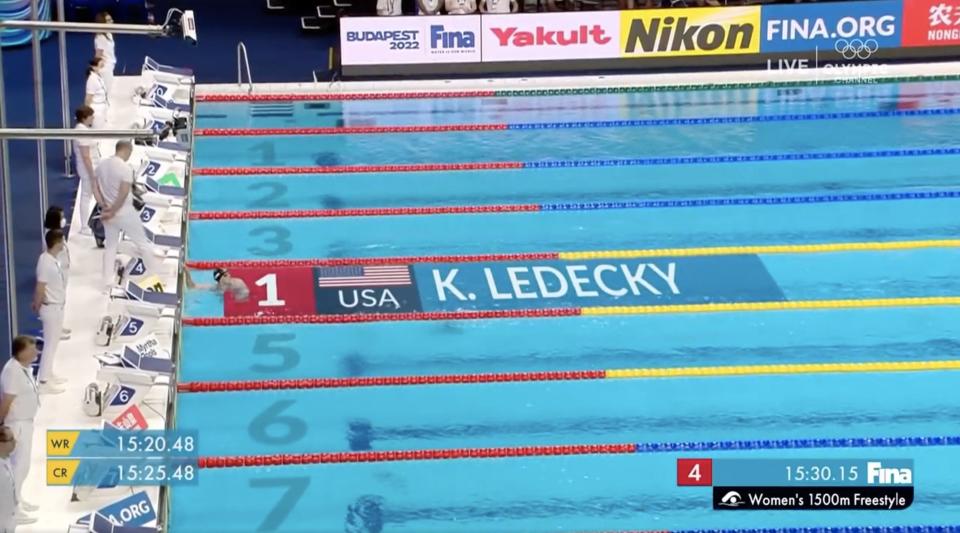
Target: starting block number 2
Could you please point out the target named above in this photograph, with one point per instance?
(694, 472)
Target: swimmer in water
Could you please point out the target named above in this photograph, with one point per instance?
(224, 283)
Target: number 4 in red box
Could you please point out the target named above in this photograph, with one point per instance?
(694, 472)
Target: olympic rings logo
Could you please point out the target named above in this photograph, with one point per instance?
(856, 48)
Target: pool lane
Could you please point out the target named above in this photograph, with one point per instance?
(575, 343)
(663, 103)
(484, 187)
(529, 495)
(772, 277)
(568, 231)
(578, 143)
(573, 412)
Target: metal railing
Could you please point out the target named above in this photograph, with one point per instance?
(242, 53)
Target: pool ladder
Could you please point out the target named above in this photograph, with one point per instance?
(242, 53)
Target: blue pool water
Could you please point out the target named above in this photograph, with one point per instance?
(591, 492)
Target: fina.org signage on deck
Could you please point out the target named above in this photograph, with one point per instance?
(690, 32)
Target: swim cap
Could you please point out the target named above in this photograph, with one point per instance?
(218, 273)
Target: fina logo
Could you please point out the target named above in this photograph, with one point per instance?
(451, 41)
(878, 475)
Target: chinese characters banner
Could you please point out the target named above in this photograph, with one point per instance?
(931, 22)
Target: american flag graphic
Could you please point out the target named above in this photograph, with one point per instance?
(363, 276)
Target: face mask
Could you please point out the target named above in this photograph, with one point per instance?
(63, 222)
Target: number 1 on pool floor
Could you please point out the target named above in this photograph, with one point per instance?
(694, 472)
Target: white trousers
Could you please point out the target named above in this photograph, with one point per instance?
(22, 453)
(128, 221)
(51, 316)
(86, 192)
(107, 75)
(100, 115)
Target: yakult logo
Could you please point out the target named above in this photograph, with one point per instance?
(542, 36)
(560, 36)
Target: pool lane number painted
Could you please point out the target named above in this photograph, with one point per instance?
(350, 289)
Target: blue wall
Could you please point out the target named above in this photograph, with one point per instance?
(221, 24)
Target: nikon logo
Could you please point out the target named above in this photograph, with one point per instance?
(676, 34)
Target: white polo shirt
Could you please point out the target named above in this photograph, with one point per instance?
(18, 381)
(111, 173)
(105, 43)
(92, 144)
(50, 272)
(460, 7)
(498, 6)
(389, 8)
(97, 89)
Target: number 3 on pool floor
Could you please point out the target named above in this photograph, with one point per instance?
(270, 282)
(694, 472)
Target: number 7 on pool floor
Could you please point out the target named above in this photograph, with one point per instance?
(694, 472)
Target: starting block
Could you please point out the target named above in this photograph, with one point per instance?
(153, 71)
(130, 375)
(138, 301)
(170, 96)
(131, 514)
(167, 241)
(151, 65)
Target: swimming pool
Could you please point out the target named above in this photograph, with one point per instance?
(724, 294)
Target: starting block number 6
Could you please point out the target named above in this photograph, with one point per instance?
(270, 282)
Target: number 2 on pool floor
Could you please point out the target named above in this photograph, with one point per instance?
(270, 282)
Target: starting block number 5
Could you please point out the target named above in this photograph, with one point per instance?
(270, 282)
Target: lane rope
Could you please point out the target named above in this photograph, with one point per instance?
(573, 163)
(408, 95)
(595, 254)
(576, 206)
(571, 449)
(528, 126)
(576, 311)
(818, 529)
(573, 375)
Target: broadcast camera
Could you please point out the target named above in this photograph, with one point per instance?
(181, 24)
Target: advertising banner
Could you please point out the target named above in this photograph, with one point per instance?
(832, 26)
(690, 32)
(584, 35)
(409, 40)
(931, 23)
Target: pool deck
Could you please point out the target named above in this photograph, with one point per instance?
(87, 303)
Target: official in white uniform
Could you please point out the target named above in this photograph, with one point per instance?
(86, 154)
(18, 409)
(460, 7)
(96, 96)
(429, 7)
(49, 299)
(499, 6)
(104, 47)
(115, 178)
(389, 8)
(8, 484)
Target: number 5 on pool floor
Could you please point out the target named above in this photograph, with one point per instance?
(694, 472)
